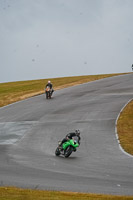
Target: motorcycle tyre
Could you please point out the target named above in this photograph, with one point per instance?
(68, 151)
(57, 152)
(46, 95)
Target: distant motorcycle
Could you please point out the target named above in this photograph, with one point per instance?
(48, 92)
(67, 148)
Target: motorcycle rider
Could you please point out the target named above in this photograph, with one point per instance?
(49, 84)
(69, 136)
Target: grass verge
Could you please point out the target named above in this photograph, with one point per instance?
(12, 193)
(125, 128)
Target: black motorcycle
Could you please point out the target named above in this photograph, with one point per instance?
(48, 92)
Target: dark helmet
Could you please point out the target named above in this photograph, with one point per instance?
(77, 132)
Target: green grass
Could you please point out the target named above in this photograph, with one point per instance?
(125, 128)
(12, 193)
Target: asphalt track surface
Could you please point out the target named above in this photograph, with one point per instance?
(30, 131)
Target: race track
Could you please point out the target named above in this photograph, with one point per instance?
(30, 131)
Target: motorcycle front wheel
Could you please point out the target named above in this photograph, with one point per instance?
(46, 95)
(57, 152)
(68, 151)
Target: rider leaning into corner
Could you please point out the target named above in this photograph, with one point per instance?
(69, 136)
(49, 84)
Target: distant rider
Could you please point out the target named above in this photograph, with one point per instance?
(69, 136)
(49, 84)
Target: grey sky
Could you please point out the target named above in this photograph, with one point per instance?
(55, 38)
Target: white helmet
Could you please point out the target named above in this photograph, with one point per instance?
(49, 81)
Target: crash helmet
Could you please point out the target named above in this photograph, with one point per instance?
(77, 132)
(49, 81)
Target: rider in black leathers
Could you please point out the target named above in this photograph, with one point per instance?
(49, 84)
(70, 136)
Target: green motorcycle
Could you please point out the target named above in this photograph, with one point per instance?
(67, 148)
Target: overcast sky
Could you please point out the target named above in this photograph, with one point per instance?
(56, 38)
